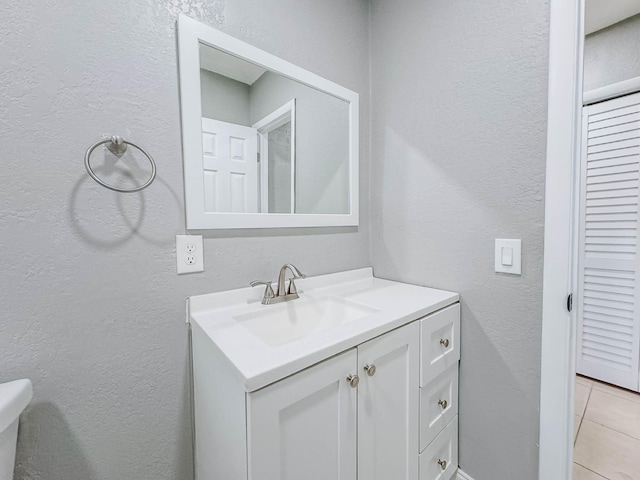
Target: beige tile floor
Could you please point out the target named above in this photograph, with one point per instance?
(606, 432)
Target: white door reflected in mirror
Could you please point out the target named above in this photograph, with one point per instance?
(230, 164)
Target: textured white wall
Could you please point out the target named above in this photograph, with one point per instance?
(611, 55)
(459, 95)
(92, 310)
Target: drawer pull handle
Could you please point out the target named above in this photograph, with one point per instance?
(370, 369)
(353, 380)
(443, 404)
(444, 342)
(443, 464)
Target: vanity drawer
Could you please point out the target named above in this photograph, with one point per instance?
(439, 343)
(438, 405)
(440, 460)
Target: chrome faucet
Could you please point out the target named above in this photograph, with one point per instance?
(284, 293)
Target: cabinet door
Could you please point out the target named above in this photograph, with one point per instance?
(388, 413)
(304, 427)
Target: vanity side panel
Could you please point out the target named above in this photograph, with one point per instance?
(219, 412)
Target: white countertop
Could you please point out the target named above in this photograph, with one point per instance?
(258, 364)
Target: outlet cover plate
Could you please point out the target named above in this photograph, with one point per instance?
(508, 257)
(189, 254)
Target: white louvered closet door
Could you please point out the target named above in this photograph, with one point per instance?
(608, 345)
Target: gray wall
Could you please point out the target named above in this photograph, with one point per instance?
(224, 98)
(322, 141)
(92, 309)
(458, 159)
(611, 54)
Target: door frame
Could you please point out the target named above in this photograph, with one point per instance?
(608, 92)
(566, 45)
(277, 118)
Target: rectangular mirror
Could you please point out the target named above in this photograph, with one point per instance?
(266, 143)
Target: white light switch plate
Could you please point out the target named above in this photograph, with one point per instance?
(189, 254)
(508, 258)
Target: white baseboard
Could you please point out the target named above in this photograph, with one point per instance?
(462, 476)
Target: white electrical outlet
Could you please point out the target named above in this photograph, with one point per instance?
(189, 254)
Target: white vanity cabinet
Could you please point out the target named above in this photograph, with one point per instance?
(306, 426)
(381, 406)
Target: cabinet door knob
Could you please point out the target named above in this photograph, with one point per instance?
(443, 464)
(353, 380)
(442, 403)
(444, 342)
(370, 369)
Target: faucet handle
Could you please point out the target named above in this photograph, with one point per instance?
(292, 287)
(268, 292)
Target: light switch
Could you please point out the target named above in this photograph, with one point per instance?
(508, 256)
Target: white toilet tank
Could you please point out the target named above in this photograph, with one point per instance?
(14, 397)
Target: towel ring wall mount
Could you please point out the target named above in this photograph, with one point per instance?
(118, 146)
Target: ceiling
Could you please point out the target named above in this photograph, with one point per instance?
(603, 13)
(226, 64)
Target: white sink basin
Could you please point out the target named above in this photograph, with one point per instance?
(296, 319)
(335, 312)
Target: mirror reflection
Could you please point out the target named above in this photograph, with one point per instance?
(270, 144)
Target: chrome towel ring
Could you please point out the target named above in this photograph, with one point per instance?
(118, 146)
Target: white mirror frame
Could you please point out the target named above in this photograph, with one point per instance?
(190, 34)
